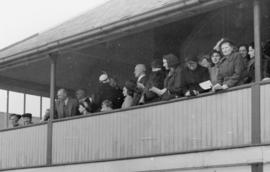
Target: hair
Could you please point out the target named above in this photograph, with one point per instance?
(243, 45)
(232, 44)
(252, 45)
(107, 103)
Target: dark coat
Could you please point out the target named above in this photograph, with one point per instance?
(107, 92)
(192, 78)
(173, 83)
(63, 111)
(156, 79)
(265, 69)
(232, 70)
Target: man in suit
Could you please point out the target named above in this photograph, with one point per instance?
(140, 75)
(65, 106)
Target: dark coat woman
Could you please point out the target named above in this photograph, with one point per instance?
(173, 81)
(232, 67)
(265, 65)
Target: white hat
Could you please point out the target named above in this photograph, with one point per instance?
(103, 77)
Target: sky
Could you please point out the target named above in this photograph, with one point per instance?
(22, 18)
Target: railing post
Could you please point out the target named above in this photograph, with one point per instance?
(256, 120)
(53, 57)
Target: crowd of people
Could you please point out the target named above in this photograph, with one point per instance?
(227, 65)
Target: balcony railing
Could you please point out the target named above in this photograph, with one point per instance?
(210, 121)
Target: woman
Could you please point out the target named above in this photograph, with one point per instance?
(129, 92)
(265, 65)
(173, 81)
(243, 50)
(231, 69)
(215, 57)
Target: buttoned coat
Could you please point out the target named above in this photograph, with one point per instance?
(68, 110)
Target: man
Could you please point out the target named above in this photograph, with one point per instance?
(65, 106)
(81, 96)
(107, 91)
(27, 119)
(140, 75)
(14, 118)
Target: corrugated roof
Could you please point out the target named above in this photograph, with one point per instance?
(106, 14)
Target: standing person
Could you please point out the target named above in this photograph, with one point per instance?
(27, 119)
(193, 75)
(156, 79)
(215, 57)
(173, 87)
(265, 65)
(108, 91)
(243, 50)
(232, 68)
(82, 97)
(140, 75)
(65, 106)
(14, 118)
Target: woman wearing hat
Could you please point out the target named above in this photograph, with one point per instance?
(232, 67)
(129, 92)
(173, 81)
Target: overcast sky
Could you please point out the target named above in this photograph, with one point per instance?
(23, 18)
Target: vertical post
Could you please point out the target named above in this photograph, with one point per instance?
(7, 109)
(256, 120)
(53, 57)
(24, 102)
(40, 107)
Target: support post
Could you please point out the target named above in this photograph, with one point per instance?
(53, 57)
(256, 120)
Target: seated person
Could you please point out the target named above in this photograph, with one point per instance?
(106, 106)
(27, 119)
(265, 65)
(107, 91)
(232, 68)
(129, 92)
(173, 81)
(156, 79)
(193, 74)
(82, 98)
(84, 108)
(14, 118)
(65, 106)
(215, 57)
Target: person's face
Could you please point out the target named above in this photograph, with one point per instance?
(165, 64)
(137, 71)
(204, 63)
(251, 52)
(243, 51)
(226, 49)
(215, 58)
(80, 94)
(61, 95)
(192, 65)
(26, 120)
(125, 91)
(14, 120)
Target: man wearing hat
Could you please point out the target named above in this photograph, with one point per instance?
(27, 119)
(108, 91)
(193, 75)
(14, 118)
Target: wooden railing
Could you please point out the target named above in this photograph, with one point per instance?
(211, 121)
(23, 147)
(207, 122)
